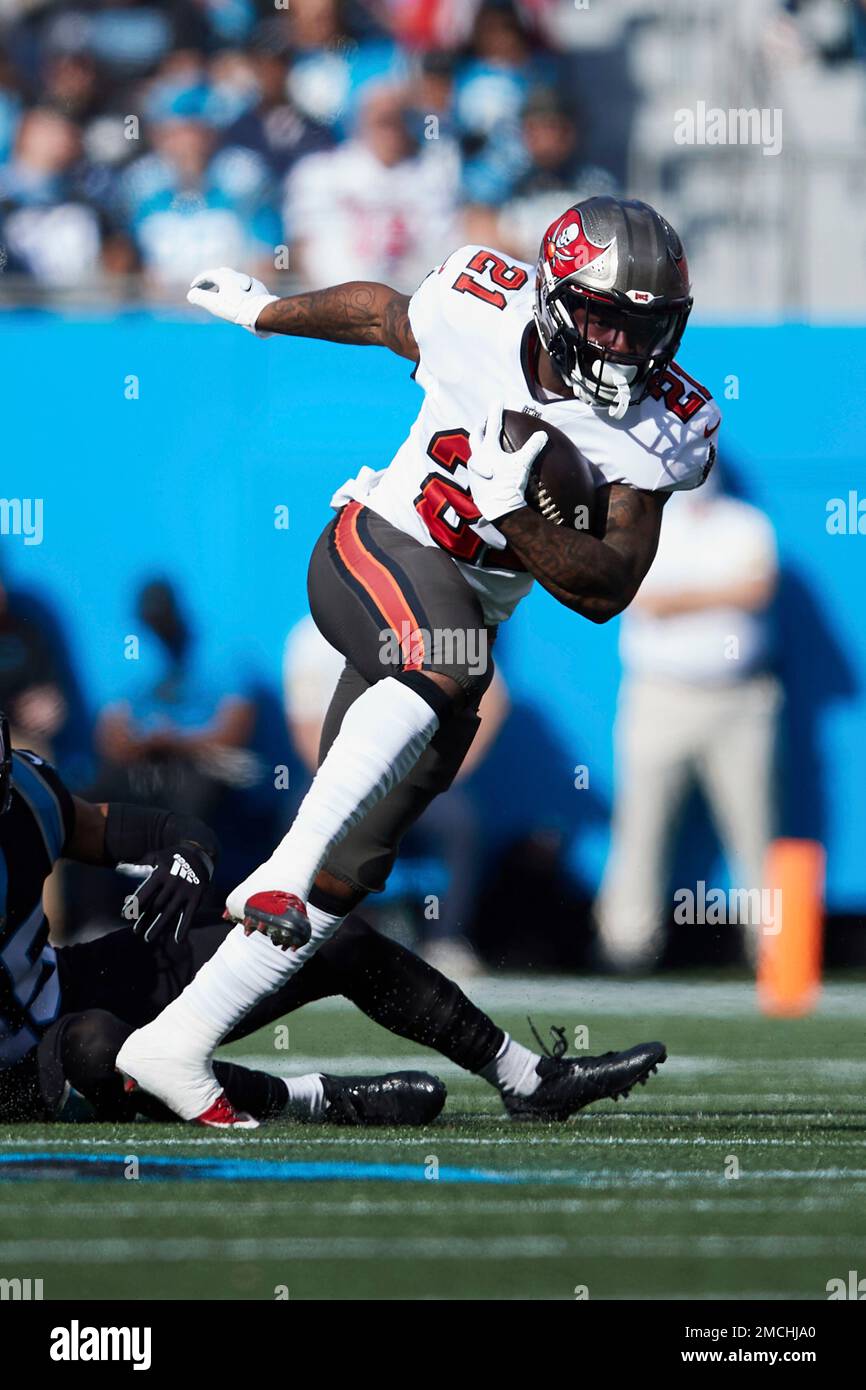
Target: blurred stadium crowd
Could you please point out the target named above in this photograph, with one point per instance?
(140, 142)
(161, 138)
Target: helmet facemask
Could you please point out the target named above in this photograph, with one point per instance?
(583, 322)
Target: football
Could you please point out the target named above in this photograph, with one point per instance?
(562, 487)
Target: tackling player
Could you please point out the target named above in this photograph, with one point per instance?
(441, 541)
(65, 1013)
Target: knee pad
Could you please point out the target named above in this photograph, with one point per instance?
(471, 683)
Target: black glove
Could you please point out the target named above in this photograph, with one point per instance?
(172, 892)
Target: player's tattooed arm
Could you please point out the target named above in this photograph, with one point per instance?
(595, 577)
(359, 311)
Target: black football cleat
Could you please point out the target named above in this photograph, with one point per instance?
(397, 1098)
(570, 1083)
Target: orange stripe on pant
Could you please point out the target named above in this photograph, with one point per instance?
(381, 585)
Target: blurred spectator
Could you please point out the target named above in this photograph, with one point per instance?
(229, 21)
(492, 86)
(334, 51)
(311, 669)
(431, 98)
(449, 832)
(501, 67)
(179, 735)
(46, 225)
(824, 30)
(193, 208)
(274, 127)
(30, 688)
(432, 24)
(218, 89)
(378, 207)
(699, 705)
(556, 174)
(71, 86)
(126, 39)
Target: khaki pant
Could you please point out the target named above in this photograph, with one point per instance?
(670, 736)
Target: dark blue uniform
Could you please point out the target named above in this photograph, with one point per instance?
(33, 835)
(122, 978)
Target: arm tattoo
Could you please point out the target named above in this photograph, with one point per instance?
(595, 577)
(359, 311)
(396, 329)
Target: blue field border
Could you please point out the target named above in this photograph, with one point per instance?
(159, 1168)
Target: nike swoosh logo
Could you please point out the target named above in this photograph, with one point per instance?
(707, 432)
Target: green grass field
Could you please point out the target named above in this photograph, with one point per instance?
(630, 1200)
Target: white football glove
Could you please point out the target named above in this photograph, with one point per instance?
(497, 478)
(231, 295)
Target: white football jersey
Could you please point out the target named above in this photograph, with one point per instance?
(472, 321)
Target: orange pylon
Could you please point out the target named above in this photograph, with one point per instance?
(790, 953)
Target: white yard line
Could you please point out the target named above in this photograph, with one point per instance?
(293, 1147)
(158, 1207)
(182, 1250)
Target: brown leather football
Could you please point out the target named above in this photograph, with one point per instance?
(562, 487)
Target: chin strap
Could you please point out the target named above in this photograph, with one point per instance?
(616, 382)
(623, 398)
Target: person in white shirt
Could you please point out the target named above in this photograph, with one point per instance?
(699, 705)
(377, 206)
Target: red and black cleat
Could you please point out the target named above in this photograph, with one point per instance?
(222, 1115)
(281, 916)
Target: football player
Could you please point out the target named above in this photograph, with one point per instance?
(442, 541)
(65, 1013)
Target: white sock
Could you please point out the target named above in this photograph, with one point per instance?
(244, 970)
(322, 927)
(382, 736)
(513, 1069)
(306, 1097)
